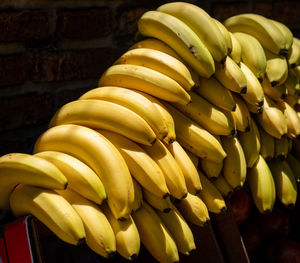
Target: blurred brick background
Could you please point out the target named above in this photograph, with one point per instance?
(52, 51)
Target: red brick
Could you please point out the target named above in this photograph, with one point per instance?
(221, 11)
(24, 26)
(287, 12)
(25, 110)
(52, 66)
(14, 69)
(85, 24)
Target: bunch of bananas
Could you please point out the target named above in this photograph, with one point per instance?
(190, 113)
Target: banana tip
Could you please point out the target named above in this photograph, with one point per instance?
(165, 196)
(290, 206)
(283, 52)
(260, 103)
(133, 257)
(274, 83)
(223, 209)
(234, 108)
(198, 191)
(112, 254)
(167, 210)
(244, 90)
(184, 196)
(206, 223)
(233, 133)
(81, 241)
(66, 185)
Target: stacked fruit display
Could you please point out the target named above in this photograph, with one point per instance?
(191, 112)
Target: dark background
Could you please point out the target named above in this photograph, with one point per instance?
(52, 51)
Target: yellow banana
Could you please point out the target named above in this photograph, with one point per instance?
(179, 229)
(187, 167)
(160, 62)
(294, 164)
(267, 144)
(211, 196)
(201, 23)
(293, 57)
(211, 169)
(194, 158)
(236, 52)
(226, 35)
(255, 92)
(285, 182)
(254, 108)
(234, 166)
(126, 235)
(196, 139)
(292, 119)
(141, 166)
(138, 195)
(215, 93)
(231, 76)
(144, 79)
(262, 186)
(223, 186)
(180, 37)
(292, 82)
(276, 93)
(194, 210)
(208, 116)
(281, 148)
(259, 27)
(133, 100)
(250, 141)
(253, 55)
(277, 68)
(161, 204)
(154, 235)
(293, 101)
(100, 154)
(99, 234)
(81, 178)
(171, 170)
(272, 119)
(51, 209)
(100, 114)
(241, 114)
(286, 32)
(22, 168)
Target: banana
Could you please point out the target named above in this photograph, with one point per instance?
(286, 32)
(51, 209)
(133, 100)
(215, 93)
(141, 166)
(211, 196)
(226, 35)
(196, 139)
(236, 52)
(180, 37)
(211, 169)
(231, 76)
(138, 195)
(223, 186)
(260, 27)
(292, 119)
(201, 23)
(194, 210)
(272, 119)
(293, 101)
(250, 141)
(96, 151)
(81, 178)
(281, 148)
(267, 144)
(100, 114)
(126, 235)
(292, 82)
(173, 175)
(255, 92)
(146, 80)
(253, 55)
(254, 108)
(277, 68)
(293, 57)
(294, 164)
(160, 62)
(234, 166)
(241, 114)
(285, 182)
(22, 168)
(187, 167)
(194, 158)
(290, 141)
(154, 235)
(161, 204)
(262, 186)
(166, 117)
(208, 116)
(276, 93)
(179, 229)
(99, 233)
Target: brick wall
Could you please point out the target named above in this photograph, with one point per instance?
(52, 51)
